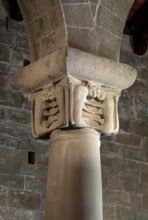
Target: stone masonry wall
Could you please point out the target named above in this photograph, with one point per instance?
(22, 184)
(124, 156)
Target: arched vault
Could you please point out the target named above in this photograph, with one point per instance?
(94, 26)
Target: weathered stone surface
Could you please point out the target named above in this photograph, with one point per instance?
(16, 115)
(35, 184)
(3, 196)
(128, 139)
(5, 67)
(113, 197)
(4, 55)
(39, 216)
(16, 214)
(9, 141)
(14, 129)
(145, 201)
(123, 213)
(9, 166)
(35, 146)
(109, 21)
(133, 153)
(11, 181)
(78, 15)
(109, 212)
(138, 215)
(118, 7)
(32, 170)
(139, 127)
(16, 27)
(23, 199)
(22, 42)
(8, 38)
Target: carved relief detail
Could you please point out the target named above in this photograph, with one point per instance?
(74, 103)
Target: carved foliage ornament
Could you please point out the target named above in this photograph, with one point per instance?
(77, 104)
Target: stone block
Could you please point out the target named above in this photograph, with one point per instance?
(2, 114)
(2, 22)
(108, 44)
(133, 153)
(2, 81)
(9, 166)
(17, 214)
(23, 199)
(144, 178)
(3, 196)
(139, 166)
(143, 74)
(143, 114)
(34, 145)
(128, 139)
(9, 141)
(78, 15)
(22, 43)
(33, 170)
(118, 7)
(138, 88)
(111, 149)
(145, 201)
(74, 1)
(5, 67)
(4, 55)
(124, 213)
(139, 127)
(140, 215)
(10, 85)
(115, 197)
(109, 212)
(13, 98)
(16, 27)
(136, 200)
(82, 39)
(114, 165)
(35, 184)
(114, 183)
(130, 58)
(8, 153)
(15, 130)
(20, 116)
(42, 159)
(145, 147)
(26, 104)
(109, 21)
(130, 186)
(17, 57)
(12, 181)
(36, 29)
(8, 38)
(53, 42)
(39, 216)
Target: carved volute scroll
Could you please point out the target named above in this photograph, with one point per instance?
(74, 103)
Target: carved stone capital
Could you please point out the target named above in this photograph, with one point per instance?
(74, 103)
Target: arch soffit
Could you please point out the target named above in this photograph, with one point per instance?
(94, 26)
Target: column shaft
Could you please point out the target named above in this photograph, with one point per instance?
(74, 190)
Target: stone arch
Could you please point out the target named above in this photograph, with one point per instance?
(45, 26)
(94, 26)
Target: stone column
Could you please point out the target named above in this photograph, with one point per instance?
(73, 110)
(74, 176)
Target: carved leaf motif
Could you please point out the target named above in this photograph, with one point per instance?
(78, 104)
